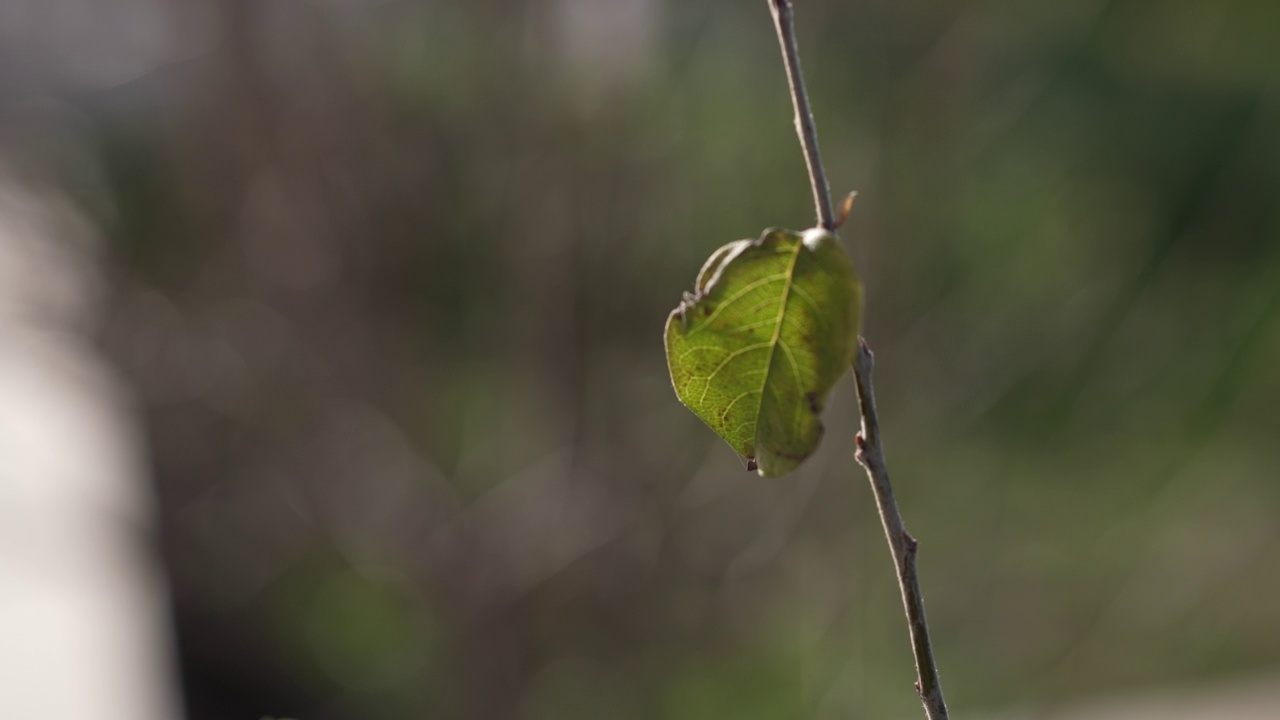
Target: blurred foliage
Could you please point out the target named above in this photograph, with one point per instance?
(389, 280)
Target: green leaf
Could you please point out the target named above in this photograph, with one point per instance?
(755, 350)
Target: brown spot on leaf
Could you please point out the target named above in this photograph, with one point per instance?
(751, 464)
(812, 399)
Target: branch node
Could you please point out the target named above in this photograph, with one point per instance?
(864, 360)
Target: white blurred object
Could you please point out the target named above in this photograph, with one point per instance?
(1253, 698)
(84, 622)
(1257, 699)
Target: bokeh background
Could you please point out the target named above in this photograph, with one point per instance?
(376, 290)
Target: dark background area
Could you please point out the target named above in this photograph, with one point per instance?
(388, 281)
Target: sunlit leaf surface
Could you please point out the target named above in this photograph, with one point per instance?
(755, 350)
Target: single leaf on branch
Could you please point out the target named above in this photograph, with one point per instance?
(756, 349)
(769, 329)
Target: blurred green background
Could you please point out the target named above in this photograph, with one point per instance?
(389, 278)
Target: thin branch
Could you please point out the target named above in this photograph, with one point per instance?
(804, 116)
(870, 453)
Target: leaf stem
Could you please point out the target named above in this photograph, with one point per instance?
(808, 132)
(870, 453)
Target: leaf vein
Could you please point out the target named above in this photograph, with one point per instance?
(735, 297)
(726, 361)
(777, 331)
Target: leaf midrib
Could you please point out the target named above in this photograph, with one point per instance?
(777, 334)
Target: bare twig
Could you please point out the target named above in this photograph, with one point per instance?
(804, 116)
(870, 453)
